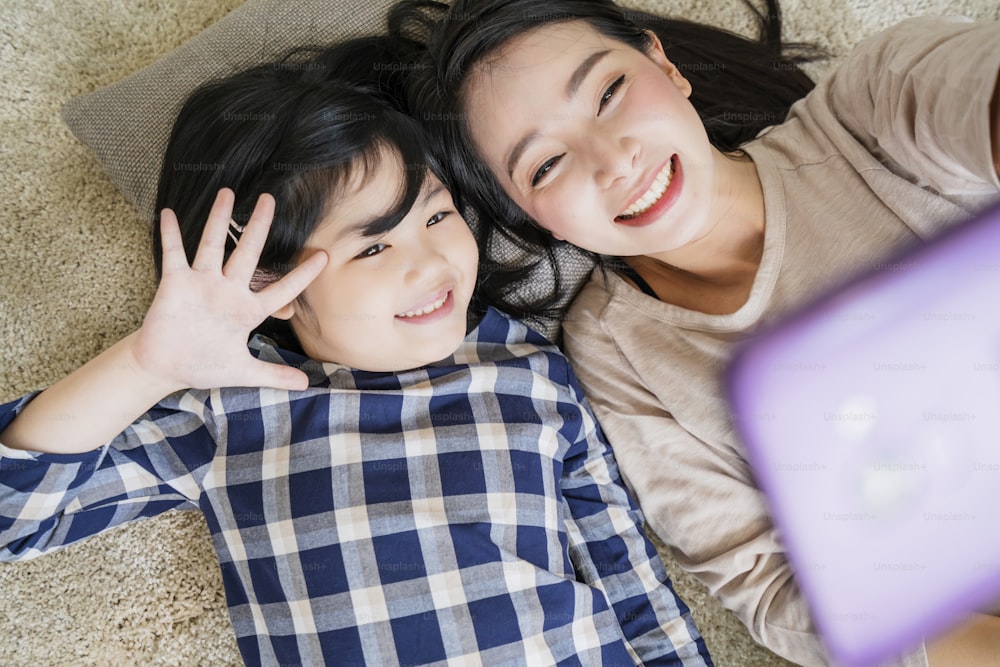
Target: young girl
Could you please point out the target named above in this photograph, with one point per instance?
(579, 120)
(385, 489)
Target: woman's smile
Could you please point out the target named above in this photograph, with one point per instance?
(658, 197)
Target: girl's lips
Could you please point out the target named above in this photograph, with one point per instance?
(443, 311)
(666, 200)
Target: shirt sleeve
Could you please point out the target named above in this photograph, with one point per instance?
(611, 551)
(917, 96)
(48, 501)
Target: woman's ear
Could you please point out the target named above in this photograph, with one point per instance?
(659, 56)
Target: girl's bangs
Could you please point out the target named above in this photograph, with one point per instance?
(401, 146)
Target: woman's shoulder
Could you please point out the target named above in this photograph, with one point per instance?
(877, 121)
(607, 314)
(586, 312)
(917, 36)
(921, 49)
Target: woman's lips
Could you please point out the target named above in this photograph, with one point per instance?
(665, 201)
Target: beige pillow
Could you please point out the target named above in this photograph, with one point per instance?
(127, 124)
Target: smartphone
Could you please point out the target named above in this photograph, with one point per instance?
(871, 421)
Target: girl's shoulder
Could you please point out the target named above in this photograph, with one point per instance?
(510, 350)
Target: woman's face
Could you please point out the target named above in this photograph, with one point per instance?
(594, 140)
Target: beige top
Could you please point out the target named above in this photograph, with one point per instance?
(837, 200)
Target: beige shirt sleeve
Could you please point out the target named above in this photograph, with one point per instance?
(917, 96)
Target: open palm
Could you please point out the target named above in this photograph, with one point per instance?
(195, 332)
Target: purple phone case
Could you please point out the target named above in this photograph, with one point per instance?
(871, 421)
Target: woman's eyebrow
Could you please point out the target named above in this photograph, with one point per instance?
(581, 72)
(572, 87)
(518, 151)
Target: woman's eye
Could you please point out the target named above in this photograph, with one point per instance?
(610, 92)
(371, 251)
(544, 169)
(437, 217)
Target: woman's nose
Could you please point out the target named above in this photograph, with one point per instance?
(614, 158)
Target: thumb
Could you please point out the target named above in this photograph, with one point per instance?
(276, 376)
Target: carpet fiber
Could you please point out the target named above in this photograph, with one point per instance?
(76, 275)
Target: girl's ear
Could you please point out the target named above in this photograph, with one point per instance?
(659, 56)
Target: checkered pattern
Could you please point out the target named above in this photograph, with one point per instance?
(466, 513)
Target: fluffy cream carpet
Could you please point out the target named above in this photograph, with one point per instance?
(75, 276)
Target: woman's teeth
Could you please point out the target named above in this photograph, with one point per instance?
(656, 190)
(426, 310)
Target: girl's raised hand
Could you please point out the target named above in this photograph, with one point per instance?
(195, 333)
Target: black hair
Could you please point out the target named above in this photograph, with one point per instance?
(297, 128)
(740, 86)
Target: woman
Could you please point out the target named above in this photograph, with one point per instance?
(583, 123)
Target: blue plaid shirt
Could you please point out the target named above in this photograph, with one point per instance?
(469, 512)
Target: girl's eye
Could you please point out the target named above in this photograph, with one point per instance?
(610, 92)
(544, 169)
(437, 217)
(371, 251)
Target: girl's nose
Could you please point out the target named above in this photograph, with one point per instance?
(424, 260)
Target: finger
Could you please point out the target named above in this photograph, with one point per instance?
(212, 246)
(277, 376)
(284, 291)
(173, 257)
(244, 259)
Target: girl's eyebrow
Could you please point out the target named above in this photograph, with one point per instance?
(360, 228)
(572, 87)
(363, 228)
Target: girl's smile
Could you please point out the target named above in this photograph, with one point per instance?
(440, 306)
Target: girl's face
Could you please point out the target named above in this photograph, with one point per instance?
(594, 140)
(395, 301)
